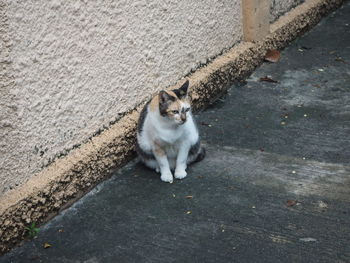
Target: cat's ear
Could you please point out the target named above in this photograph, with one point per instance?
(182, 92)
(164, 97)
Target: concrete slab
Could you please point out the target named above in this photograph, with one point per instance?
(275, 186)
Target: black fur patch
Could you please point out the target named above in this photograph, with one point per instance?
(165, 100)
(182, 92)
(198, 151)
(142, 154)
(201, 155)
(194, 148)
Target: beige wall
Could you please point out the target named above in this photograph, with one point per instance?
(70, 67)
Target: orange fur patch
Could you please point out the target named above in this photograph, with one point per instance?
(154, 104)
(158, 150)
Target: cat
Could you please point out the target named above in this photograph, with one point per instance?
(167, 136)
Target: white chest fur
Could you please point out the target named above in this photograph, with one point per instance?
(170, 137)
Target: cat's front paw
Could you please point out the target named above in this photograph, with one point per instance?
(167, 177)
(180, 174)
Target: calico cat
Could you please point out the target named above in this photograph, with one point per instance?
(167, 136)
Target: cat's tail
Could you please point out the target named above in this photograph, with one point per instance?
(200, 156)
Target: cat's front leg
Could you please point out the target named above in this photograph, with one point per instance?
(181, 162)
(165, 173)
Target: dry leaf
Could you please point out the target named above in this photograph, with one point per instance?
(205, 124)
(47, 245)
(339, 59)
(273, 55)
(189, 196)
(291, 202)
(285, 115)
(267, 79)
(306, 48)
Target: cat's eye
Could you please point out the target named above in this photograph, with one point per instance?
(175, 111)
(187, 110)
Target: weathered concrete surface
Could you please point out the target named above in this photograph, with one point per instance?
(68, 178)
(267, 143)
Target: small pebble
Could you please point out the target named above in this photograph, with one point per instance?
(322, 204)
(307, 239)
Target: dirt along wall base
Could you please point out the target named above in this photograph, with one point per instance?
(69, 177)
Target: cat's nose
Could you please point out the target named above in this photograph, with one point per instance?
(183, 117)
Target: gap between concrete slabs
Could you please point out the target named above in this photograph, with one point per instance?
(68, 178)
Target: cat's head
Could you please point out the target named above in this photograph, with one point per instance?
(174, 105)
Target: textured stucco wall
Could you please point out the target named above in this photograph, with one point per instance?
(71, 67)
(280, 7)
